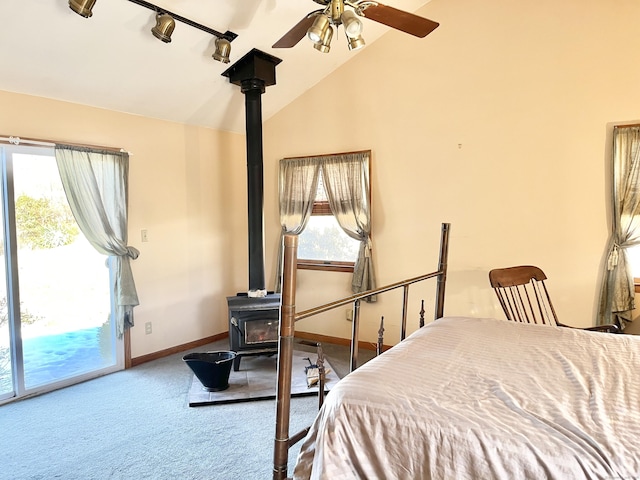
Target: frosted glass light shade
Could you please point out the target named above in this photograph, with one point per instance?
(352, 24)
(317, 31)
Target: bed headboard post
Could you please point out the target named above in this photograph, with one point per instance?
(285, 356)
(442, 268)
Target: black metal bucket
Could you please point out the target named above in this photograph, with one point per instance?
(211, 368)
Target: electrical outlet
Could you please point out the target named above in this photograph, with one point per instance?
(349, 315)
(147, 328)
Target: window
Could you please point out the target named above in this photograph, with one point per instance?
(633, 253)
(633, 256)
(323, 245)
(326, 200)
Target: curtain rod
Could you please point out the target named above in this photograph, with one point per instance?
(48, 143)
(627, 126)
(329, 154)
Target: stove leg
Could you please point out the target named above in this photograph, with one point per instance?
(236, 363)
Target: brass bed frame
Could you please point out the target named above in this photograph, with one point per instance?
(288, 316)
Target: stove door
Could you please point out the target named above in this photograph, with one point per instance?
(254, 329)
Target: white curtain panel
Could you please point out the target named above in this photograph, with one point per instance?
(346, 179)
(96, 186)
(617, 300)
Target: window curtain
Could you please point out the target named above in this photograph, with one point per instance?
(297, 184)
(346, 180)
(617, 294)
(96, 185)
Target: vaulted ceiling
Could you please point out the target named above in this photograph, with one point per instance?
(111, 60)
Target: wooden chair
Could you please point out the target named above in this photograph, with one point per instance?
(524, 297)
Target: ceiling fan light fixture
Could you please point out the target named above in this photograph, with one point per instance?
(325, 45)
(165, 25)
(355, 43)
(352, 24)
(82, 7)
(319, 28)
(321, 48)
(223, 49)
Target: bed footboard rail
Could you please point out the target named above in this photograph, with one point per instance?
(288, 317)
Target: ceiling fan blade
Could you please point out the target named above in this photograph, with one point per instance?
(400, 20)
(297, 33)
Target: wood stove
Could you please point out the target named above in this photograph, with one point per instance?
(253, 317)
(253, 325)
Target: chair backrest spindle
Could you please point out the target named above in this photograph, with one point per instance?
(523, 294)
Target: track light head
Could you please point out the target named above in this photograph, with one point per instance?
(82, 7)
(164, 27)
(223, 49)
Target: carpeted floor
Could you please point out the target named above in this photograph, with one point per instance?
(137, 424)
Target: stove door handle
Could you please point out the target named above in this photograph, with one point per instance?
(234, 322)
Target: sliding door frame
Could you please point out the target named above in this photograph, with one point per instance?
(13, 289)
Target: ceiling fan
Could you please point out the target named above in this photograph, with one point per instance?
(318, 25)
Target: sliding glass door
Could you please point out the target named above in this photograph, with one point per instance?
(58, 329)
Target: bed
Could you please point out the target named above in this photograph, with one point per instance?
(477, 398)
(283, 441)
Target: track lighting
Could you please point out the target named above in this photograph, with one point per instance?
(165, 24)
(223, 49)
(82, 7)
(164, 27)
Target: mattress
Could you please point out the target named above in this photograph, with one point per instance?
(479, 398)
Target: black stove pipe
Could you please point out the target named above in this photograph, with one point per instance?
(253, 90)
(253, 73)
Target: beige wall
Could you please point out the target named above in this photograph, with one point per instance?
(187, 188)
(498, 122)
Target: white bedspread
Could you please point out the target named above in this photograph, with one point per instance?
(470, 398)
